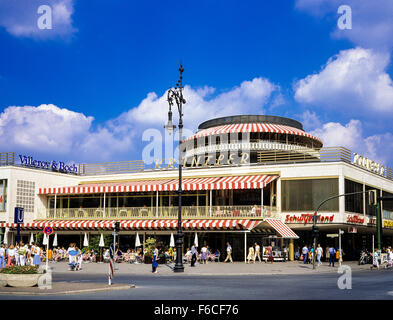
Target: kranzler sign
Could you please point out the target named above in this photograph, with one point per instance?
(53, 165)
(308, 218)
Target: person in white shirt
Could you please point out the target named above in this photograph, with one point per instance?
(257, 252)
(22, 254)
(71, 258)
(11, 255)
(319, 254)
(17, 262)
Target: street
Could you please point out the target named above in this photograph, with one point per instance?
(309, 285)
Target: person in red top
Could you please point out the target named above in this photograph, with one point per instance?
(270, 253)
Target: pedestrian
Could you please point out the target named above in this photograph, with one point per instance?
(37, 255)
(305, 254)
(284, 253)
(251, 254)
(270, 253)
(375, 260)
(2, 256)
(229, 253)
(22, 254)
(193, 255)
(154, 261)
(203, 255)
(332, 256)
(257, 252)
(319, 254)
(11, 255)
(17, 262)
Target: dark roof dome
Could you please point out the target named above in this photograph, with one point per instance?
(250, 119)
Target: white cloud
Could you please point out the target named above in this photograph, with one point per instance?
(354, 80)
(47, 129)
(19, 18)
(250, 97)
(378, 147)
(372, 23)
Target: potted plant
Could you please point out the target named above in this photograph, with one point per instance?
(149, 244)
(18, 276)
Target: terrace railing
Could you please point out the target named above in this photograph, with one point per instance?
(188, 212)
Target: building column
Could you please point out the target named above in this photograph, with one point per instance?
(291, 250)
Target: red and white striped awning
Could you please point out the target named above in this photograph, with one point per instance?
(192, 184)
(188, 184)
(282, 229)
(207, 225)
(251, 127)
(245, 182)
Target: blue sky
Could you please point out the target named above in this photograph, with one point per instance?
(87, 89)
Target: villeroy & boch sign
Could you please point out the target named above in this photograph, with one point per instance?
(59, 166)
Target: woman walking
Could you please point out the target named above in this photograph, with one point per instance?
(154, 262)
(37, 255)
(203, 255)
(11, 255)
(251, 254)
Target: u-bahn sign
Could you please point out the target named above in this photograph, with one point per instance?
(19, 215)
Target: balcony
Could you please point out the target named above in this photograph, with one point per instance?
(188, 212)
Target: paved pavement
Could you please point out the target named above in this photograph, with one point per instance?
(211, 269)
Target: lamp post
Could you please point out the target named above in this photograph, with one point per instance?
(175, 95)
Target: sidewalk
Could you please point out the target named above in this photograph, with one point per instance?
(64, 288)
(211, 269)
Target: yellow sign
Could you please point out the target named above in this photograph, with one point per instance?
(388, 224)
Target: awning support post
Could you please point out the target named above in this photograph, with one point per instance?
(54, 216)
(156, 203)
(104, 205)
(211, 200)
(245, 246)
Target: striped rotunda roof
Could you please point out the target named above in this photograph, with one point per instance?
(251, 127)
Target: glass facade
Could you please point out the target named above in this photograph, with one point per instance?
(353, 203)
(306, 195)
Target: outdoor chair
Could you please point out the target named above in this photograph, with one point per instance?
(217, 258)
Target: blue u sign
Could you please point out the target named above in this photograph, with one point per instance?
(19, 215)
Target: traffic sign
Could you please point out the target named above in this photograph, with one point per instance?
(48, 230)
(332, 235)
(19, 215)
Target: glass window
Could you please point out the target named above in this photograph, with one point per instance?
(306, 195)
(353, 203)
(3, 195)
(387, 205)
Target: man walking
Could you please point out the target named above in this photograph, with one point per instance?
(257, 252)
(229, 253)
(284, 253)
(332, 256)
(193, 255)
(319, 254)
(305, 254)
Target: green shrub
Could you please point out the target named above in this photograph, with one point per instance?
(20, 270)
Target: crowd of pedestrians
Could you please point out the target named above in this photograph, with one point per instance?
(20, 254)
(330, 254)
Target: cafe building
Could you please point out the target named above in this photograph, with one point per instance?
(246, 179)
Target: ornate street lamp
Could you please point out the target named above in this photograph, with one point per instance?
(175, 95)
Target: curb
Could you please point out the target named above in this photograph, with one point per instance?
(124, 287)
